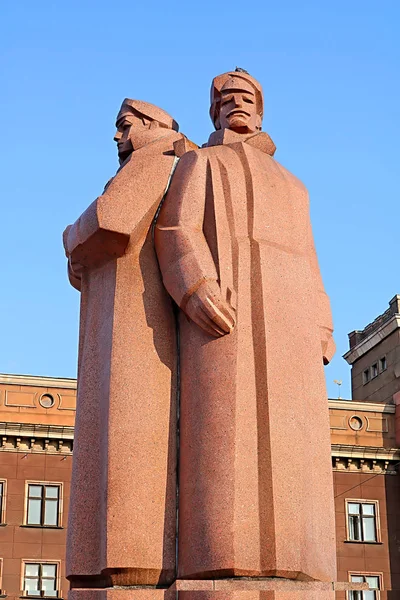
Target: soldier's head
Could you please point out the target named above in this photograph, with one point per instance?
(138, 123)
(236, 102)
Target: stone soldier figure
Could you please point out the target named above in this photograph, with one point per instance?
(123, 496)
(236, 252)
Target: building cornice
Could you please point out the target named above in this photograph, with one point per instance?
(372, 452)
(372, 340)
(34, 438)
(362, 406)
(36, 430)
(38, 381)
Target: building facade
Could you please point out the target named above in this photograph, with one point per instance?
(36, 441)
(36, 444)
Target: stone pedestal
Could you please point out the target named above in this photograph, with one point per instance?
(224, 589)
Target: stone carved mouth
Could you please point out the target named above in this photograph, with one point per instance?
(238, 113)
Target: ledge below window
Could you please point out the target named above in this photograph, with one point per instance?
(42, 527)
(361, 542)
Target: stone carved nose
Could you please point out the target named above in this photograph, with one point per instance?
(117, 136)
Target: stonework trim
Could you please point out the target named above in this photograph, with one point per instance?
(38, 381)
(362, 406)
(372, 340)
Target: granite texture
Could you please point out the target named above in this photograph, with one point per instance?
(236, 251)
(123, 495)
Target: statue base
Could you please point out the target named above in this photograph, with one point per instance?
(273, 588)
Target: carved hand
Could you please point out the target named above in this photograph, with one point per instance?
(209, 311)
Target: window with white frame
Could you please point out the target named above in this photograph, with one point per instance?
(362, 520)
(374, 582)
(40, 579)
(43, 507)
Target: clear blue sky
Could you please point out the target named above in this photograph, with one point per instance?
(330, 72)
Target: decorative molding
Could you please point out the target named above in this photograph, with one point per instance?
(372, 340)
(30, 438)
(338, 422)
(352, 405)
(38, 381)
(8, 394)
(377, 425)
(365, 459)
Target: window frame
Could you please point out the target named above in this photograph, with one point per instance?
(382, 369)
(3, 502)
(374, 370)
(376, 517)
(44, 484)
(2, 592)
(366, 375)
(40, 562)
(364, 574)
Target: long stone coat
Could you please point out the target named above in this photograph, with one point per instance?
(122, 520)
(255, 492)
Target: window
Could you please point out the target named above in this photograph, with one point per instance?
(362, 521)
(2, 501)
(374, 370)
(374, 582)
(40, 579)
(366, 376)
(43, 505)
(382, 364)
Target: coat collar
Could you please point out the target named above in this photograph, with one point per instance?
(260, 140)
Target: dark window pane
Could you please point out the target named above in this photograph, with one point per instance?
(354, 528)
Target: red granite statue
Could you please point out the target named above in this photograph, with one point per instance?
(123, 499)
(231, 229)
(236, 252)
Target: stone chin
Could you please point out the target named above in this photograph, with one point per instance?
(238, 122)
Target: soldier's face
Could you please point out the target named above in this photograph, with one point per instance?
(126, 126)
(238, 111)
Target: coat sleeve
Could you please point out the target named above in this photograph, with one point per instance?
(323, 308)
(184, 256)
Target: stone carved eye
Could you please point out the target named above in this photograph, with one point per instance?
(356, 423)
